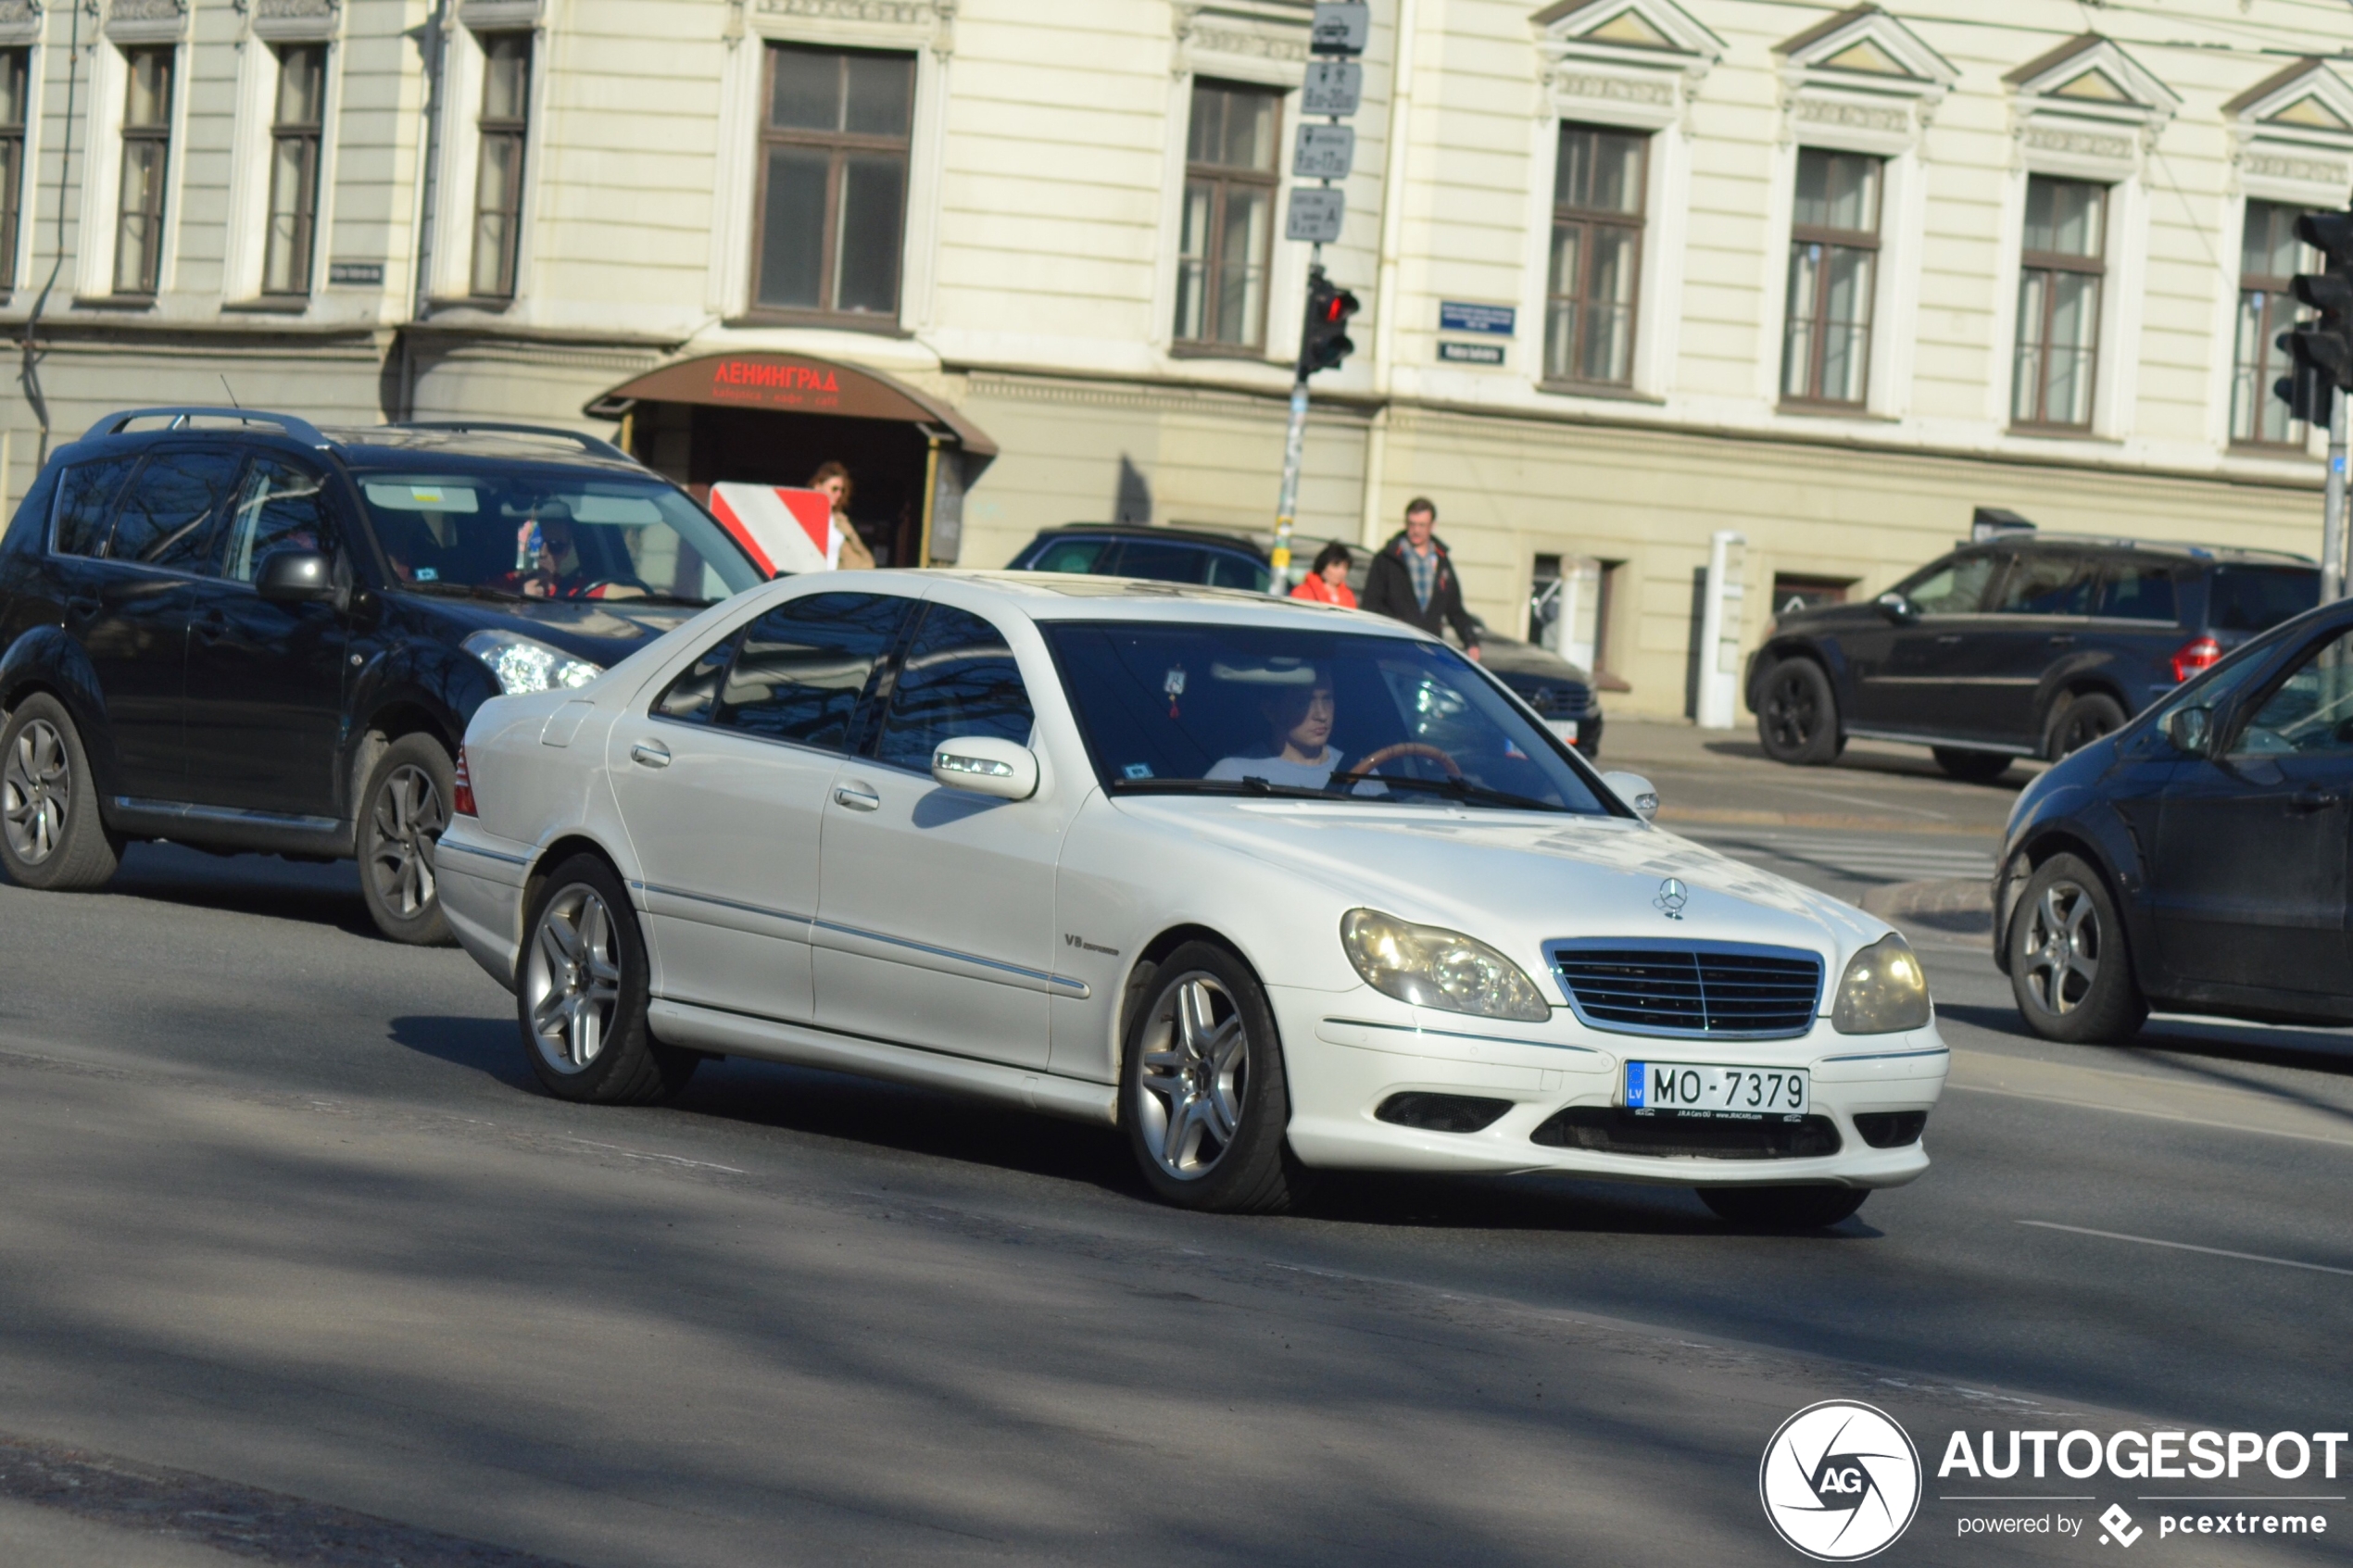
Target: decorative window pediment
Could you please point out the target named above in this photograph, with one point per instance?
(20, 21)
(148, 21)
(1861, 79)
(1244, 40)
(2088, 109)
(1634, 62)
(2293, 135)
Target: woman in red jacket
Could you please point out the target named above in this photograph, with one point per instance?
(1327, 581)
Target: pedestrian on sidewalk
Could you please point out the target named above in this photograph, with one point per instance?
(1327, 581)
(834, 479)
(1413, 579)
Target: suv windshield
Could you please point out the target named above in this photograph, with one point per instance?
(1258, 710)
(550, 532)
(2256, 598)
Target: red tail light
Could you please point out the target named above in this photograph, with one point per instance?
(2194, 656)
(461, 788)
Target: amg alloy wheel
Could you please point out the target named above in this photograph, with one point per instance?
(50, 833)
(2069, 968)
(580, 994)
(1201, 1090)
(571, 979)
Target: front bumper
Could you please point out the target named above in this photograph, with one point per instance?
(1349, 1052)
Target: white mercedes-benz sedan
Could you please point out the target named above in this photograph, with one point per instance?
(1272, 888)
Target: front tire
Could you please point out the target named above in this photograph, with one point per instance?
(403, 810)
(1971, 767)
(2070, 969)
(581, 991)
(1797, 721)
(1201, 1091)
(1783, 1209)
(2080, 721)
(51, 836)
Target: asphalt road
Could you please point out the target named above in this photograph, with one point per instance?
(296, 1259)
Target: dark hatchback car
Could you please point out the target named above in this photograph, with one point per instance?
(2014, 647)
(2201, 859)
(1561, 694)
(243, 632)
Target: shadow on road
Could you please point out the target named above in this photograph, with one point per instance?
(2222, 1039)
(1891, 763)
(489, 1046)
(254, 884)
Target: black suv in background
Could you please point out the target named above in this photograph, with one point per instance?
(2014, 647)
(240, 631)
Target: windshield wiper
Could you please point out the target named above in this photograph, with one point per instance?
(1250, 786)
(1463, 790)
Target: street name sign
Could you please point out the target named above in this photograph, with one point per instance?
(1491, 321)
(1471, 352)
(1324, 152)
(1314, 215)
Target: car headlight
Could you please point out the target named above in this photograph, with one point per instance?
(525, 664)
(1882, 991)
(1432, 967)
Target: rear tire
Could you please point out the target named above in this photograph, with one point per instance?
(2070, 971)
(1797, 721)
(581, 989)
(1201, 1090)
(1783, 1209)
(2080, 721)
(51, 836)
(402, 812)
(1972, 767)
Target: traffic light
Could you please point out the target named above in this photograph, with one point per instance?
(1323, 342)
(2321, 349)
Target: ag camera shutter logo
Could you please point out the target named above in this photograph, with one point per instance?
(1839, 1481)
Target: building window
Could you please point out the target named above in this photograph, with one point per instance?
(2269, 254)
(1597, 253)
(147, 157)
(14, 85)
(505, 126)
(1833, 266)
(1228, 235)
(832, 186)
(2058, 303)
(293, 171)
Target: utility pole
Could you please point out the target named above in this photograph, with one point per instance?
(2322, 355)
(1324, 153)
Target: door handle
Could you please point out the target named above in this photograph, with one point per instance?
(2314, 799)
(650, 754)
(857, 796)
(209, 627)
(1946, 637)
(2061, 639)
(82, 607)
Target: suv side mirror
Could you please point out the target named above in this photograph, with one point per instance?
(296, 577)
(1897, 607)
(2191, 730)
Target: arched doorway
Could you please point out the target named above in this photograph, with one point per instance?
(772, 418)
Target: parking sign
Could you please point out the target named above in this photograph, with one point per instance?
(1324, 152)
(1333, 87)
(1316, 215)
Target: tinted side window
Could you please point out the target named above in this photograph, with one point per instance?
(2309, 712)
(2045, 583)
(1068, 554)
(959, 678)
(802, 668)
(167, 517)
(2137, 589)
(2256, 598)
(1954, 587)
(280, 507)
(1238, 571)
(1161, 563)
(85, 505)
(694, 696)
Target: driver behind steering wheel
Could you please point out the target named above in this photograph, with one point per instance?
(1299, 755)
(558, 573)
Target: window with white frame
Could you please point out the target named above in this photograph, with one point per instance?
(295, 132)
(1833, 269)
(14, 87)
(1226, 241)
(2062, 266)
(504, 126)
(1598, 198)
(2269, 254)
(146, 158)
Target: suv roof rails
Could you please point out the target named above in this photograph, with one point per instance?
(588, 443)
(178, 414)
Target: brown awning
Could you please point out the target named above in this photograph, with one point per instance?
(793, 383)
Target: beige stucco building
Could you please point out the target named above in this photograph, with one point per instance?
(1634, 271)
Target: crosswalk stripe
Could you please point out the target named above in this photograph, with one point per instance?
(1864, 859)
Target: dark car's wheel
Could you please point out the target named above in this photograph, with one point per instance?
(1783, 1209)
(1972, 767)
(2070, 969)
(402, 812)
(50, 834)
(580, 994)
(2080, 721)
(1201, 1090)
(1797, 721)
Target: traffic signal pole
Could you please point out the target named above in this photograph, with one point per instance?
(2332, 504)
(2321, 354)
(1294, 456)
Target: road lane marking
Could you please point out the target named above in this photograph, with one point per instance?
(2189, 1247)
(2222, 1107)
(666, 1159)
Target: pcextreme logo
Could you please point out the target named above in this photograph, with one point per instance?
(1841, 1481)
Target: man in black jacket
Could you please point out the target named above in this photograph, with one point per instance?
(1413, 579)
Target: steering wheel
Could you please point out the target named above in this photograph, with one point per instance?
(1349, 777)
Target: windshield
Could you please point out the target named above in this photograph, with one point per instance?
(550, 533)
(1256, 711)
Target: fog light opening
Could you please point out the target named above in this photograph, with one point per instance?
(1890, 1129)
(1442, 1113)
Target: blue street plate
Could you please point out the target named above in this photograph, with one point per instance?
(1689, 1088)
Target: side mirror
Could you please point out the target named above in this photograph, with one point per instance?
(2191, 730)
(1897, 607)
(292, 577)
(1636, 791)
(986, 765)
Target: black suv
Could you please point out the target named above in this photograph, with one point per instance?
(2014, 647)
(240, 631)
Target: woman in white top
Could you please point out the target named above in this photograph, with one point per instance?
(1301, 757)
